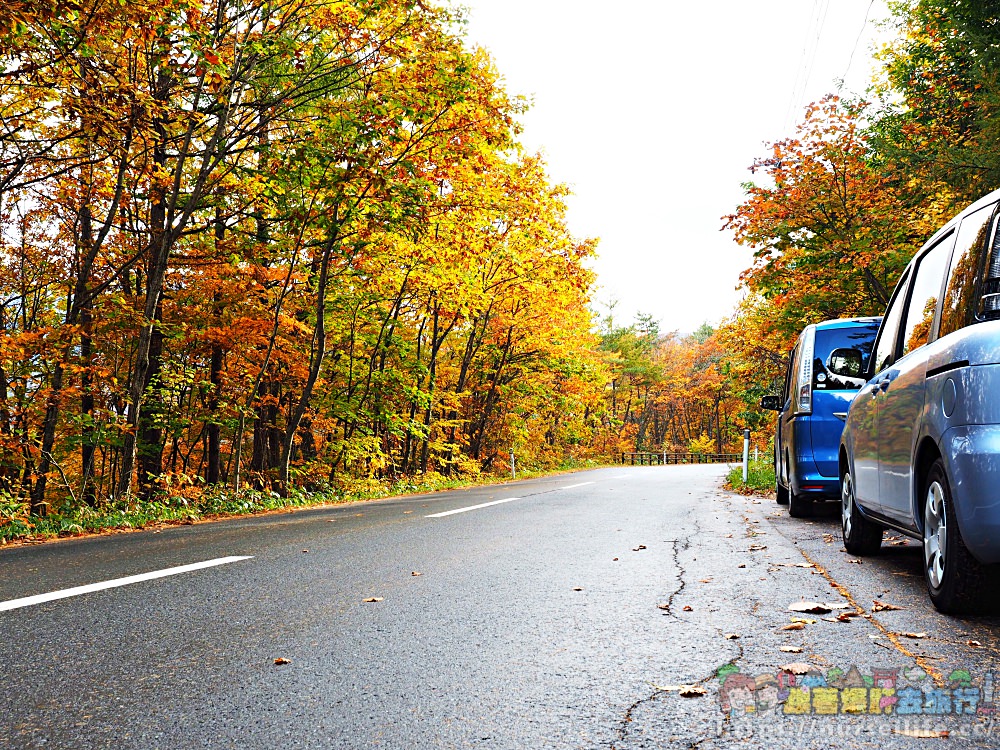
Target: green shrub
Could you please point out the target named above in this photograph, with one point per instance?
(760, 478)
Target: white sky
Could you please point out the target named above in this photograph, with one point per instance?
(652, 110)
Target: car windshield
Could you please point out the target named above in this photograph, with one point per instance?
(841, 356)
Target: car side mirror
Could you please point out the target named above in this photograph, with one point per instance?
(771, 403)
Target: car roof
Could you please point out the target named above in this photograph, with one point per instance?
(986, 200)
(849, 322)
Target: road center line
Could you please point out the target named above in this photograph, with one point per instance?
(571, 486)
(30, 601)
(471, 507)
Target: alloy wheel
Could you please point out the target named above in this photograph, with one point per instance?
(935, 534)
(847, 504)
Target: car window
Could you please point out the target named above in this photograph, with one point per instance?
(924, 295)
(960, 292)
(841, 356)
(788, 374)
(885, 347)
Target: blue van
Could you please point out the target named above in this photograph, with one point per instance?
(825, 370)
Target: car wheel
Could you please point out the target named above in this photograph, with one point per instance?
(956, 581)
(861, 536)
(781, 493)
(799, 506)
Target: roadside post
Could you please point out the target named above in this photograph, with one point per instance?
(746, 454)
(513, 475)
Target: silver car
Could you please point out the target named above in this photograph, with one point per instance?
(920, 451)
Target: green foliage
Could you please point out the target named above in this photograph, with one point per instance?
(760, 478)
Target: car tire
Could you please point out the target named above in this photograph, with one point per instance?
(956, 581)
(781, 494)
(799, 506)
(861, 536)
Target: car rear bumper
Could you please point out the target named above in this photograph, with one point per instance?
(813, 485)
(973, 464)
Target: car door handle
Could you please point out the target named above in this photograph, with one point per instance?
(841, 415)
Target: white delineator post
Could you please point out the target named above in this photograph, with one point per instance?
(513, 475)
(746, 454)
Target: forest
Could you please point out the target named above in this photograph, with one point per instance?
(284, 249)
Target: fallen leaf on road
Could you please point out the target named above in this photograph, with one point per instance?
(282, 660)
(615, 560)
(692, 691)
(791, 649)
(899, 543)
(878, 606)
(757, 547)
(793, 565)
(729, 536)
(923, 734)
(913, 635)
(857, 561)
(813, 608)
(798, 668)
(846, 616)
(741, 565)
(407, 511)
(974, 644)
(663, 606)
(828, 538)
(374, 599)
(837, 605)
(687, 691)
(687, 608)
(305, 550)
(794, 626)
(415, 573)
(705, 580)
(577, 588)
(641, 546)
(732, 636)
(804, 620)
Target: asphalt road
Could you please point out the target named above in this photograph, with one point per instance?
(565, 618)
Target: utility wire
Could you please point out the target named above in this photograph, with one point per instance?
(804, 72)
(857, 42)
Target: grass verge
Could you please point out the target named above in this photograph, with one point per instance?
(760, 479)
(16, 525)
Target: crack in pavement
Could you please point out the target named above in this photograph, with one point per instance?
(676, 548)
(680, 546)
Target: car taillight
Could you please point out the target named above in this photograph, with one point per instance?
(803, 396)
(991, 284)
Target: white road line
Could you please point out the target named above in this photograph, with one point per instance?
(569, 487)
(471, 507)
(29, 601)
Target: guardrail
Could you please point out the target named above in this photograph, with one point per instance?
(660, 459)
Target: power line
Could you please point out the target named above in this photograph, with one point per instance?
(857, 42)
(817, 21)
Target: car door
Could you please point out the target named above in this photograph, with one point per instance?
(781, 447)
(864, 409)
(900, 389)
(833, 391)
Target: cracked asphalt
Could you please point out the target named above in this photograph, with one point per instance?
(576, 616)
